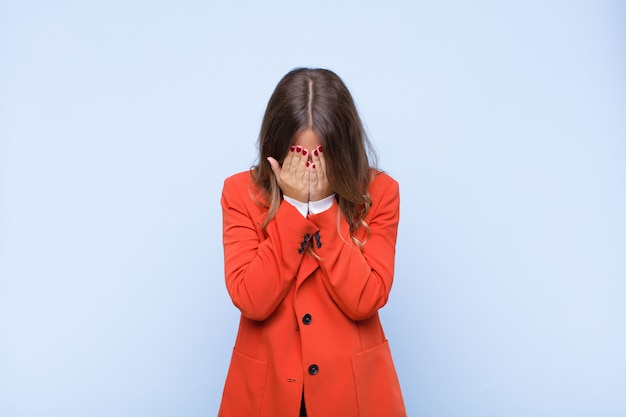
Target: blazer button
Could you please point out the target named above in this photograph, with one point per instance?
(306, 319)
(313, 369)
(318, 241)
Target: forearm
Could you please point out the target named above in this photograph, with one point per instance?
(259, 272)
(359, 280)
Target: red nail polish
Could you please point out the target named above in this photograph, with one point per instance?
(307, 164)
(293, 148)
(298, 149)
(320, 148)
(313, 166)
(304, 152)
(315, 152)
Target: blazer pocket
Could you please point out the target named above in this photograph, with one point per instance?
(244, 387)
(377, 385)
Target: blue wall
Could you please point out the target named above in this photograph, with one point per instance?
(505, 123)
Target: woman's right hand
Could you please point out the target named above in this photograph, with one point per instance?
(293, 176)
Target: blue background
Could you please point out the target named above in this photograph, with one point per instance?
(504, 122)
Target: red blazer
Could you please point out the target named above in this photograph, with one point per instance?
(309, 323)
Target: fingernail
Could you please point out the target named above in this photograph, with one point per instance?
(293, 148)
(313, 166)
(315, 152)
(307, 163)
(298, 149)
(320, 148)
(304, 152)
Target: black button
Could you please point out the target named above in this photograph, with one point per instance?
(306, 319)
(304, 243)
(313, 369)
(318, 241)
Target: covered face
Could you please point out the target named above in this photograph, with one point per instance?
(308, 140)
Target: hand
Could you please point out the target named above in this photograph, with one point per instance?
(294, 176)
(319, 187)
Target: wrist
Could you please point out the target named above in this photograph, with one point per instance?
(300, 197)
(320, 196)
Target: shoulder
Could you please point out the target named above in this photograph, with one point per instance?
(240, 188)
(242, 181)
(385, 194)
(237, 185)
(382, 183)
(239, 179)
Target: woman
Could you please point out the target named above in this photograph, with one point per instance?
(309, 245)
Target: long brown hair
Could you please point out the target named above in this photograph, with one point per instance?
(317, 99)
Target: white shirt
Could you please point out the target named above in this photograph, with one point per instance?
(312, 207)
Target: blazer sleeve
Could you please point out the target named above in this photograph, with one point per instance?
(360, 281)
(259, 270)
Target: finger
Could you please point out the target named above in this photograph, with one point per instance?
(302, 162)
(307, 177)
(321, 163)
(315, 156)
(295, 161)
(315, 165)
(313, 173)
(289, 159)
(275, 166)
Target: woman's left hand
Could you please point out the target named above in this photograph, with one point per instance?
(319, 187)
